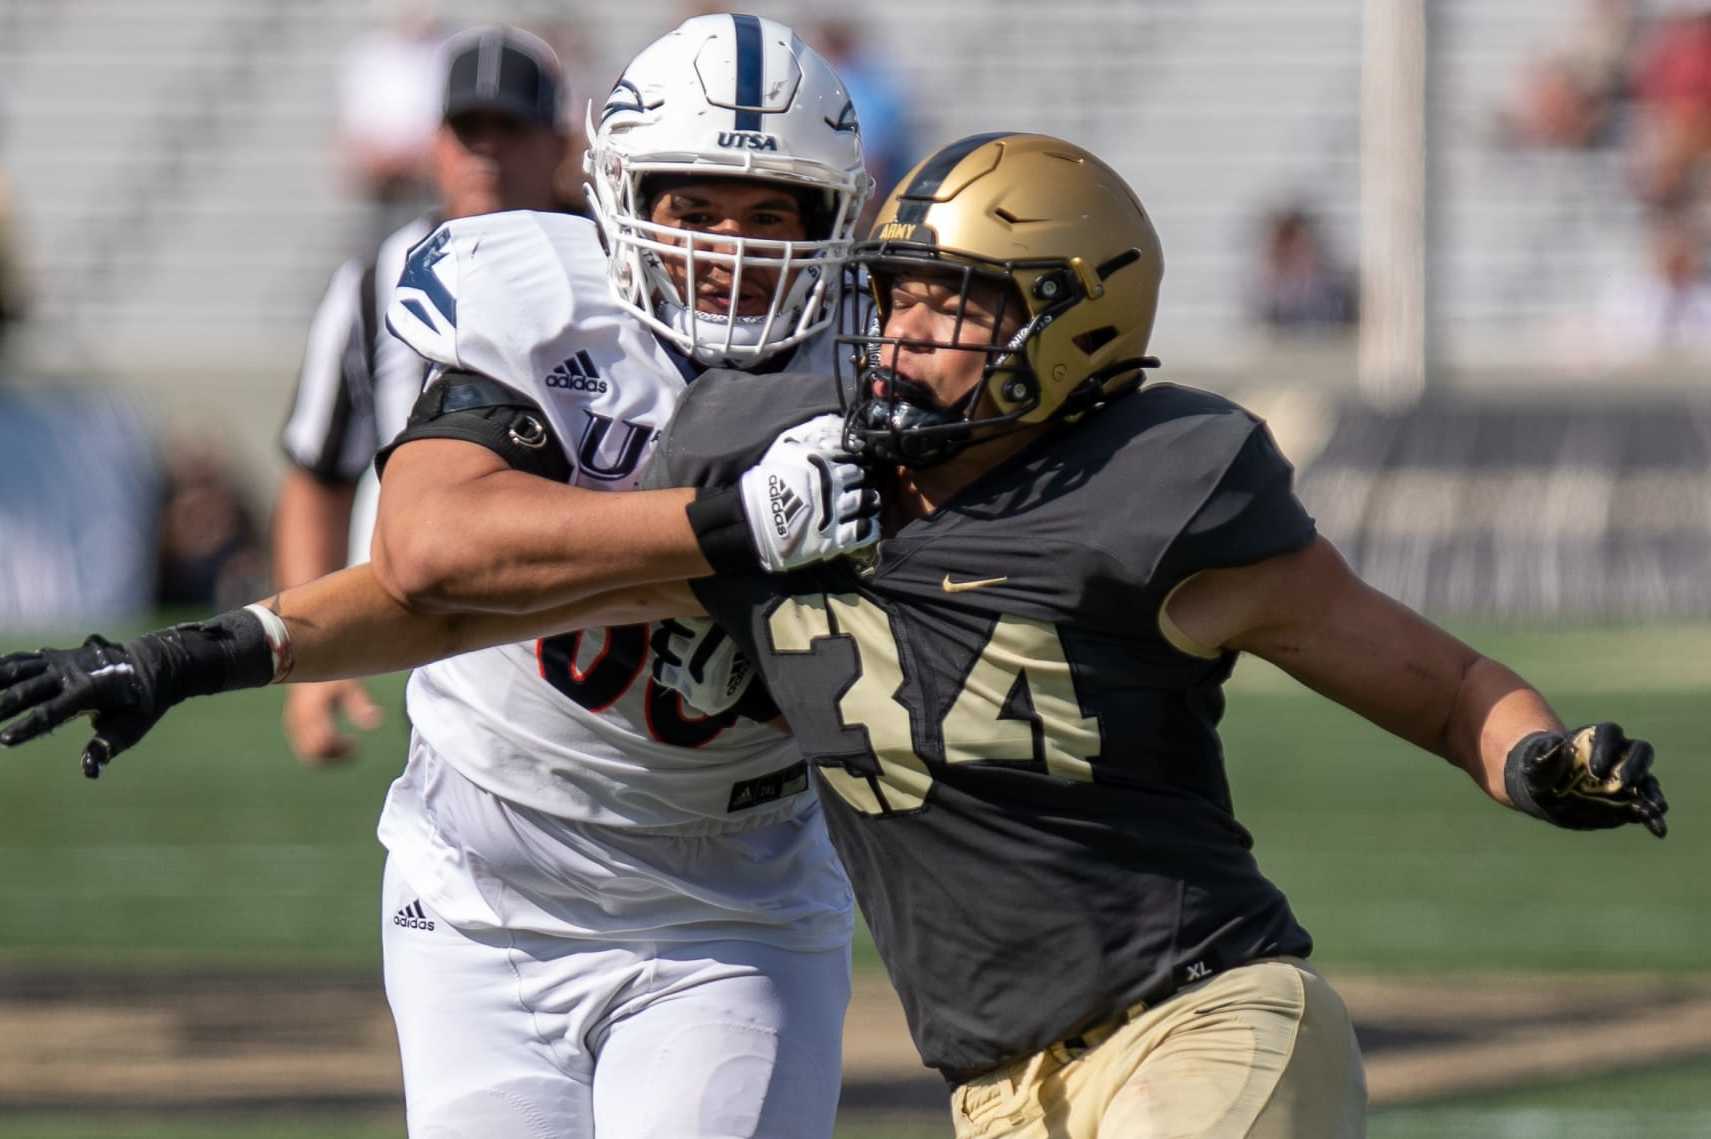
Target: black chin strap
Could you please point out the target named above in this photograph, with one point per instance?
(913, 433)
(1093, 393)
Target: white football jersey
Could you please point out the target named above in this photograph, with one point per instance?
(575, 725)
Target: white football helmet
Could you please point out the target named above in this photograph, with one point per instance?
(727, 96)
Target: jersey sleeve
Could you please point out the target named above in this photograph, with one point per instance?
(329, 430)
(423, 311)
(1252, 514)
(496, 295)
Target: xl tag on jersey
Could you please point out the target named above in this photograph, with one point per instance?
(792, 780)
(1199, 969)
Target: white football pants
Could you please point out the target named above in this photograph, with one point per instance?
(516, 1035)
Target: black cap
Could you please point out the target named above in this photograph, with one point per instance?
(505, 70)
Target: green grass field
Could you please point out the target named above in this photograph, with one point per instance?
(1670, 1103)
(209, 844)
(1667, 1103)
(1396, 861)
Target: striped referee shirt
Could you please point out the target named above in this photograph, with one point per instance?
(358, 381)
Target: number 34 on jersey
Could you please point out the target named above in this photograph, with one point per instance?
(1016, 704)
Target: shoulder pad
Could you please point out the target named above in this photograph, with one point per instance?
(497, 294)
(1239, 485)
(476, 409)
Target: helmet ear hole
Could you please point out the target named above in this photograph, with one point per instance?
(1021, 389)
(1092, 341)
(1051, 287)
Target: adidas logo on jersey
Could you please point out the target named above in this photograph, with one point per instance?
(739, 675)
(413, 916)
(785, 505)
(577, 373)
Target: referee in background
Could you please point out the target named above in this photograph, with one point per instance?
(499, 147)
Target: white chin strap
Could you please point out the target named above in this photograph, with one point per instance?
(704, 334)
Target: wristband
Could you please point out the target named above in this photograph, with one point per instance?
(278, 641)
(722, 528)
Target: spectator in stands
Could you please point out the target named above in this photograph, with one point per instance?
(498, 148)
(1558, 107)
(1574, 97)
(209, 553)
(388, 112)
(1300, 285)
(1667, 307)
(1672, 83)
(879, 101)
(14, 298)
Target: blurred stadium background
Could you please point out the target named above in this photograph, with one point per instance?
(1453, 249)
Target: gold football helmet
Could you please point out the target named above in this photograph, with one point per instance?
(1064, 245)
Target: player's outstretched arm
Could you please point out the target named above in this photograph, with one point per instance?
(349, 624)
(345, 624)
(460, 530)
(1308, 613)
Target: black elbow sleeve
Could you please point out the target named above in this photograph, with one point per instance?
(476, 409)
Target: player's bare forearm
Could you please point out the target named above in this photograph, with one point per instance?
(1378, 658)
(1308, 613)
(349, 624)
(311, 528)
(1493, 710)
(1311, 616)
(461, 532)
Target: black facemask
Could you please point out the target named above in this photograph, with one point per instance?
(902, 426)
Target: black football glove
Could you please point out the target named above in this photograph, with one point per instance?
(1593, 778)
(127, 688)
(701, 663)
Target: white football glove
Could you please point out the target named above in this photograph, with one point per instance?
(807, 500)
(696, 659)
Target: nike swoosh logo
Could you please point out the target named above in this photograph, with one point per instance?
(964, 586)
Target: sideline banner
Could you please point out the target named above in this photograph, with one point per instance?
(79, 494)
(1590, 510)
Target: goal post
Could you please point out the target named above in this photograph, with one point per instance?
(1393, 296)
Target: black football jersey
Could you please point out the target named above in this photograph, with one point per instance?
(1021, 773)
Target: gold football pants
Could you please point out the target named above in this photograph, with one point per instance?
(1263, 1051)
